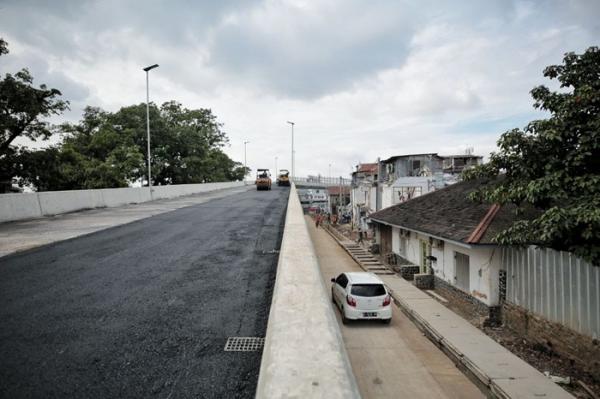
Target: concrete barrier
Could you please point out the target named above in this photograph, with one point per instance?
(19, 206)
(304, 355)
(34, 205)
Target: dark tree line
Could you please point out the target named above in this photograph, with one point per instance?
(105, 149)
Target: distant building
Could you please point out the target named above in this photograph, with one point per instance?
(363, 195)
(404, 177)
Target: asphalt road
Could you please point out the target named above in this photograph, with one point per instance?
(144, 309)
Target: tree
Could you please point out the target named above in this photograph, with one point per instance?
(554, 163)
(23, 109)
(109, 150)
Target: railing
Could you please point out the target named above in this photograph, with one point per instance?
(322, 181)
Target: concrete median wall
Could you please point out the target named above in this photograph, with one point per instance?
(304, 355)
(35, 205)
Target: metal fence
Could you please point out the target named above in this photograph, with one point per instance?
(556, 285)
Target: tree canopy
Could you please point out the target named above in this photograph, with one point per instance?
(553, 164)
(24, 110)
(109, 150)
(105, 150)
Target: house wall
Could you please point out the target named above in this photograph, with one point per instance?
(484, 264)
(396, 240)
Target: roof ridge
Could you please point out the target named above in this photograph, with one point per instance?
(483, 225)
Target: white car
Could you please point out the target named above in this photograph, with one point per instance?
(361, 296)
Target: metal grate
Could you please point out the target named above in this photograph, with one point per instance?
(244, 344)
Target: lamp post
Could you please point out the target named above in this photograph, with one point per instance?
(275, 165)
(245, 170)
(148, 69)
(292, 123)
(329, 175)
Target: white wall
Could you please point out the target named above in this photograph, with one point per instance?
(34, 205)
(484, 264)
(396, 240)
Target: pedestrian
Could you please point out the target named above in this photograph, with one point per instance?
(360, 235)
(317, 220)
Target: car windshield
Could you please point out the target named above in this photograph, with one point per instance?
(368, 290)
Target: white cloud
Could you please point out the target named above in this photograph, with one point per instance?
(360, 81)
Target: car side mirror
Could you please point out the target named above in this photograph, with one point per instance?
(333, 280)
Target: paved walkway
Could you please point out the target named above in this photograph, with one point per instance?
(505, 374)
(395, 360)
(26, 234)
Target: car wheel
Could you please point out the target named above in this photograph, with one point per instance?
(386, 321)
(344, 318)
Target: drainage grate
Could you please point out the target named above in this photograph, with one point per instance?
(244, 344)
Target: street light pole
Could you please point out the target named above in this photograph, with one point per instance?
(245, 169)
(275, 165)
(147, 69)
(293, 158)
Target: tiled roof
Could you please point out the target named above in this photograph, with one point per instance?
(367, 167)
(448, 213)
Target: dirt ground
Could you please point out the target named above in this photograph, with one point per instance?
(542, 357)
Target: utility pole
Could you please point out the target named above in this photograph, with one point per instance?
(276, 166)
(245, 170)
(293, 152)
(147, 69)
(339, 208)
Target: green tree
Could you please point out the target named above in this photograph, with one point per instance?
(109, 150)
(23, 110)
(554, 163)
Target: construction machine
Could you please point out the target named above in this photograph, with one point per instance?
(263, 179)
(284, 177)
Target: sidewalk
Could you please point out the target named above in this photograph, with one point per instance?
(505, 374)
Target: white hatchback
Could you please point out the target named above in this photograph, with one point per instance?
(361, 296)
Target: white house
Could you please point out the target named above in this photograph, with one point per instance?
(449, 237)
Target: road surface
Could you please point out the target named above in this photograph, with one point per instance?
(395, 360)
(144, 309)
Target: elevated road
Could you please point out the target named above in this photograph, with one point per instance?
(144, 309)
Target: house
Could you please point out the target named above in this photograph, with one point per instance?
(362, 194)
(404, 177)
(338, 196)
(455, 164)
(450, 238)
(311, 198)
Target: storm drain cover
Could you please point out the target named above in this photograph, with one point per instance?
(244, 344)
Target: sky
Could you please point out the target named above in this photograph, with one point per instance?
(360, 79)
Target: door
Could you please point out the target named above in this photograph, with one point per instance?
(462, 274)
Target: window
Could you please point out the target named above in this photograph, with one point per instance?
(342, 280)
(368, 290)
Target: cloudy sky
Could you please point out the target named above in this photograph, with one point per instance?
(361, 79)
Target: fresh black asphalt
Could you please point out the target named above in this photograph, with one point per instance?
(144, 309)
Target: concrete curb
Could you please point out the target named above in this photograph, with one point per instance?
(304, 354)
